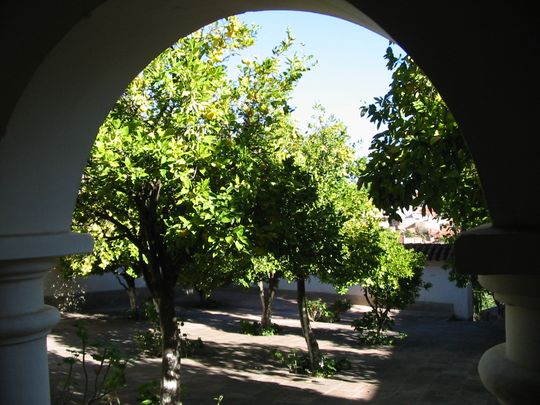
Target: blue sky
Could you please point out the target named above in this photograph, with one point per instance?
(350, 71)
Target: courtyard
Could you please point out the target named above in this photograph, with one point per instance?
(435, 364)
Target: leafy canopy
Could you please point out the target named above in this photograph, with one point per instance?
(161, 191)
(421, 158)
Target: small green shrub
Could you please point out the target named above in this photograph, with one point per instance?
(148, 342)
(483, 300)
(319, 311)
(149, 393)
(68, 295)
(218, 399)
(340, 306)
(150, 312)
(190, 346)
(94, 383)
(254, 329)
(371, 332)
(297, 362)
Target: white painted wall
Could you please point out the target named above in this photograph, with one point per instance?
(446, 291)
(442, 291)
(316, 286)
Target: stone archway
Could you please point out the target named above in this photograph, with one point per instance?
(65, 78)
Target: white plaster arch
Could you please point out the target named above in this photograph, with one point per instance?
(481, 57)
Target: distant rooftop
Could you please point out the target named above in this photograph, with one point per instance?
(433, 251)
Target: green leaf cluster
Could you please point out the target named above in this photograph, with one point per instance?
(163, 190)
(421, 158)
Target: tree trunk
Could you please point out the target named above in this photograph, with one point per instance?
(204, 298)
(267, 298)
(132, 293)
(309, 336)
(171, 345)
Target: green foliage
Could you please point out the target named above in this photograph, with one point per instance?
(340, 306)
(483, 300)
(205, 275)
(374, 258)
(67, 293)
(255, 329)
(299, 211)
(172, 183)
(390, 274)
(161, 190)
(95, 383)
(149, 341)
(149, 393)
(150, 312)
(328, 156)
(371, 333)
(298, 362)
(218, 399)
(319, 311)
(421, 158)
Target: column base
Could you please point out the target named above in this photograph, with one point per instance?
(507, 380)
(511, 370)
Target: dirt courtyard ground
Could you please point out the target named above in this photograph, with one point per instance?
(436, 364)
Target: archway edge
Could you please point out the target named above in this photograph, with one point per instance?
(54, 123)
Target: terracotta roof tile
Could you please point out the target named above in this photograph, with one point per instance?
(433, 251)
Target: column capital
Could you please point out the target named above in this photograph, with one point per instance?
(491, 250)
(21, 247)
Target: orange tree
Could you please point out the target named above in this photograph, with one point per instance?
(161, 177)
(421, 159)
(174, 174)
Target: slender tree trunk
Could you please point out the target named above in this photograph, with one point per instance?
(171, 347)
(267, 298)
(132, 293)
(379, 317)
(204, 298)
(309, 336)
(161, 277)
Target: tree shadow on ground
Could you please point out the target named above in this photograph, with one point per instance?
(435, 364)
(340, 332)
(239, 389)
(258, 359)
(114, 330)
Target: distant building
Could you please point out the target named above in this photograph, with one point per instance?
(419, 225)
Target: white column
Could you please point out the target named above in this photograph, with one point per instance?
(24, 324)
(24, 319)
(511, 370)
(506, 264)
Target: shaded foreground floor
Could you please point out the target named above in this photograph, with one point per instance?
(436, 364)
